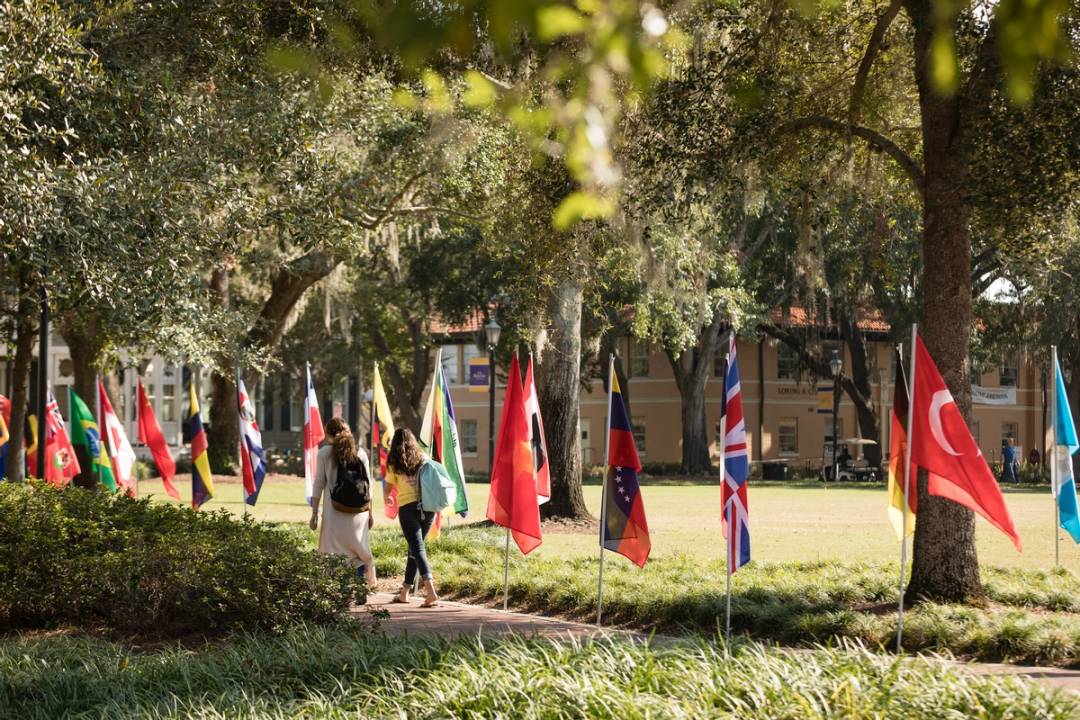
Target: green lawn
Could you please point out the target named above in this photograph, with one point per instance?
(796, 522)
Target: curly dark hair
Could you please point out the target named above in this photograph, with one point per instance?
(341, 439)
(405, 455)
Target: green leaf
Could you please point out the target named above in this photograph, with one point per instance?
(943, 70)
(480, 92)
(556, 21)
(579, 206)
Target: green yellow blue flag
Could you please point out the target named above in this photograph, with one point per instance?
(86, 439)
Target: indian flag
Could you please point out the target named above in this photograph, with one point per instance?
(439, 434)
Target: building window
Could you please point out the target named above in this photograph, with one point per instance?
(1010, 370)
(168, 402)
(788, 436)
(468, 437)
(1010, 431)
(639, 358)
(787, 363)
(639, 434)
(719, 361)
(268, 402)
(295, 409)
(470, 351)
(450, 364)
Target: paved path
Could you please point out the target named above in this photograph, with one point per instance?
(453, 619)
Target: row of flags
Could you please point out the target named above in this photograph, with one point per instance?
(110, 458)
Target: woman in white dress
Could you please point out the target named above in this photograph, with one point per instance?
(342, 533)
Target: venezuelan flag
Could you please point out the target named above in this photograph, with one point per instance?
(202, 481)
(625, 529)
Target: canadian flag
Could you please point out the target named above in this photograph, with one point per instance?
(120, 451)
(536, 437)
(942, 444)
(313, 435)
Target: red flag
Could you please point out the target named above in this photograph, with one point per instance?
(512, 502)
(942, 444)
(150, 435)
(61, 464)
(536, 437)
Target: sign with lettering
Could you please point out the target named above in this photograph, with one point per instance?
(993, 396)
(479, 377)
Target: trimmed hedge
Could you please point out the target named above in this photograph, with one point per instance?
(95, 560)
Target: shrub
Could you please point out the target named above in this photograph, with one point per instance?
(91, 559)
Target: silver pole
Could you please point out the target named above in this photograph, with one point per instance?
(603, 492)
(724, 510)
(506, 571)
(907, 491)
(1053, 456)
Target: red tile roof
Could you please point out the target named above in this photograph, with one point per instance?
(870, 321)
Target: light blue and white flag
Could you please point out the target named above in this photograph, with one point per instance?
(1066, 445)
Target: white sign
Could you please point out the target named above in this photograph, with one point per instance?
(993, 396)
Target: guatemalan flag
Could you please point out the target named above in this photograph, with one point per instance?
(1067, 445)
(736, 512)
(252, 458)
(313, 435)
(625, 529)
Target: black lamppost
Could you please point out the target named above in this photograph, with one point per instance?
(491, 333)
(837, 367)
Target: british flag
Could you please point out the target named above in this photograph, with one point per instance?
(735, 517)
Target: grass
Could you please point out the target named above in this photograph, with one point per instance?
(1033, 616)
(345, 672)
(799, 522)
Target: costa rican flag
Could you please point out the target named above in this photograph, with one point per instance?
(252, 458)
(735, 518)
(313, 435)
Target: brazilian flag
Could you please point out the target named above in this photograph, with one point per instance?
(86, 439)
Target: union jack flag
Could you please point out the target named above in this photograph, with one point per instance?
(735, 517)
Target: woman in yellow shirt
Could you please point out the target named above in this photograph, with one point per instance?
(403, 472)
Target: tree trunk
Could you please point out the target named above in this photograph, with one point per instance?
(691, 369)
(559, 389)
(869, 426)
(945, 565)
(25, 334)
(223, 436)
(84, 347)
(408, 390)
(286, 289)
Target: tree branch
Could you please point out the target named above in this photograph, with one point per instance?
(371, 221)
(872, 137)
(869, 55)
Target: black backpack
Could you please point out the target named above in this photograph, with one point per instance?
(351, 493)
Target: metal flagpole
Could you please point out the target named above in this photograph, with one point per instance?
(723, 510)
(97, 419)
(506, 571)
(243, 500)
(907, 490)
(603, 492)
(1053, 455)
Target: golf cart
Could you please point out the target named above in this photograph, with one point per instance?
(847, 469)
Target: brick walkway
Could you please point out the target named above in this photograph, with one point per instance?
(454, 619)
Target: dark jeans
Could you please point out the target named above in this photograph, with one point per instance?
(415, 525)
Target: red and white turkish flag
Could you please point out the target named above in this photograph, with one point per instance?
(942, 444)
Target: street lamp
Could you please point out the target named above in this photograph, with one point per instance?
(836, 364)
(491, 332)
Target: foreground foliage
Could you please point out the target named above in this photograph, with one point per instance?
(337, 672)
(1033, 617)
(94, 560)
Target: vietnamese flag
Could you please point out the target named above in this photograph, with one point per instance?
(512, 502)
(942, 444)
(151, 436)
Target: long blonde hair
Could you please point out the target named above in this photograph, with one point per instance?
(341, 439)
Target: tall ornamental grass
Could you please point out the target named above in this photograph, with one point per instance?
(319, 672)
(1034, 616)
(94, 560)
